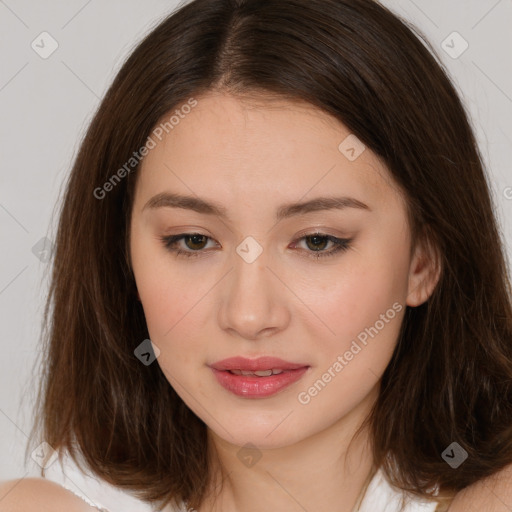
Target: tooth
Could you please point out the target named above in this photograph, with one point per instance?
(259, 373)
(263, 373)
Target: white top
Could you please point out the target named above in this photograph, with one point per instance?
(379, 497)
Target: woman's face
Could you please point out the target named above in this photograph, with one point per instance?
(255, 282)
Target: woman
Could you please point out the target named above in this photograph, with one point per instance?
(278, 281)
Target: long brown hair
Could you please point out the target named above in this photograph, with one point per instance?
(450, 377)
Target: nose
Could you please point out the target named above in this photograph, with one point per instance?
(253, 301)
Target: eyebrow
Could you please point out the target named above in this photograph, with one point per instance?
(168, 200)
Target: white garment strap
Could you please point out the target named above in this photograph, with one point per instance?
(87, 500)
(381, 497)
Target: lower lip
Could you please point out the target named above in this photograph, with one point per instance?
(257, 387)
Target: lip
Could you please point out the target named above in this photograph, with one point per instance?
(249, 386)
(254, 365)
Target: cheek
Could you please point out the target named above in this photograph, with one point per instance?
(166, 296)
(174, 315)
(364, 308)
(172, 318)
(357, 299)
(365, 312)
(176, 309)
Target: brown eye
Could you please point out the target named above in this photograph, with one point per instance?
(318, 242)
(192, 244)
(195, 242)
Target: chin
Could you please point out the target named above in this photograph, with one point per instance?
(269, 434)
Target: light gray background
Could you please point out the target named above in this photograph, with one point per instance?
(46, 105)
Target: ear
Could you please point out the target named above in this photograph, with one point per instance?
(424, 272)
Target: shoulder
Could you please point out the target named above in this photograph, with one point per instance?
(492, 494)
(38, 494)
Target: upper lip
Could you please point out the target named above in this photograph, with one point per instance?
(261, 363)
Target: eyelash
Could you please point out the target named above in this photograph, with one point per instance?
(340, 245)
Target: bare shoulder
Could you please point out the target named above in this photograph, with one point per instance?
(38, 494)
(493, 494)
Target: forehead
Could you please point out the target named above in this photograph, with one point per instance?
(229, 145)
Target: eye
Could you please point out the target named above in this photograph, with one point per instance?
(194, 241)
(195, 244)
(318, 241)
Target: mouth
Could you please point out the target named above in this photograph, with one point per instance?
(261, 364)
(260, 373)
(257, 378)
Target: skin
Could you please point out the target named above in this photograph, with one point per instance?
(492, 494)
(37, 494)
(253, 157)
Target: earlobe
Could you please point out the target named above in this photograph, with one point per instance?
(424, 273)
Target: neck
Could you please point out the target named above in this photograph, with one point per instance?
(328, 471)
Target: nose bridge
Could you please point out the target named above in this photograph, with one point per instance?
(252, 301)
